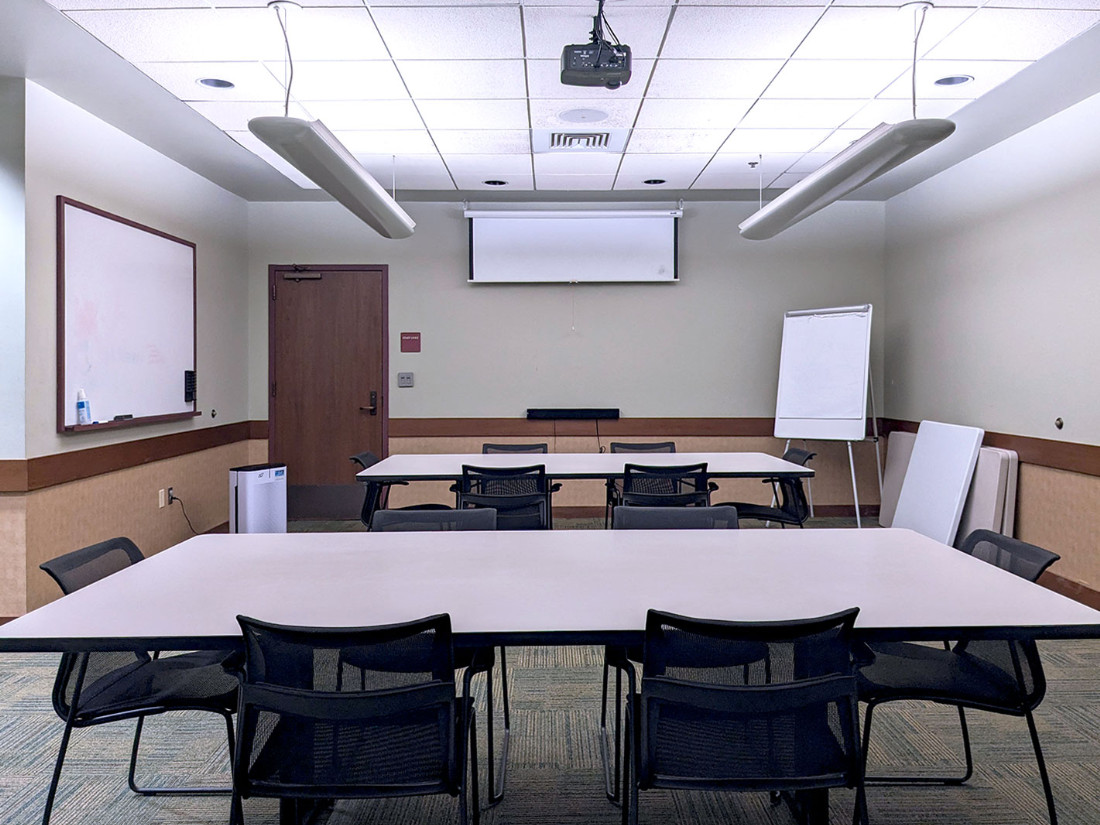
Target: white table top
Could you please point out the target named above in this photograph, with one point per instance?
(448, 466)
(567, 586)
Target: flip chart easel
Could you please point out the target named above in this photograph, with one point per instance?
(825, 380)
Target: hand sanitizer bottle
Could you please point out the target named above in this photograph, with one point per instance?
(83, 410)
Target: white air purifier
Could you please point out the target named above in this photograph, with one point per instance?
(257, 499)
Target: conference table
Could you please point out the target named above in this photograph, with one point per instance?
(546, 587)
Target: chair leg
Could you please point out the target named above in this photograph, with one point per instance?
(57, 770)
(497, 775)
(162, 791)
(1042, 768)
(611, 765)
(919, 780)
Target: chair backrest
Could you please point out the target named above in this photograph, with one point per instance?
(73, 571)
(798, 456)
(347, 712)
(685, 485)
(643, 447)
(675, 518)
(1016, 658)
(748, 705)
(1025, 560)
(520, 495)
(792, 499)
(364, 459)
(388, 521)
(514, 448)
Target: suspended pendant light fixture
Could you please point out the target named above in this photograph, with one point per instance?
(877, 152)
(314, 151)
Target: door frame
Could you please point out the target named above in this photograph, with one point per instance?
(275, 273)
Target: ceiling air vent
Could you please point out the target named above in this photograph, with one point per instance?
(559, 140)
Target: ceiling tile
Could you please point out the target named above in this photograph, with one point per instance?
(482, 141)
(449, 33)
(709, 79)
(839, 140)
(733, 171)
(412, 171)
(577, 163)
(66, 5)
(987, 75)
(678, 170)
(234, 34)
(1013, 34)
(786, 181)
(876, 33)
(251, 80)
(663, 141)
(800, 114)
(233, 116)
(741, 32)
(474, 114)
(343, 80)
(590, 4)
(692, 114)
(895, 111)
(811, 162)
(354, 115)
(575, 183)
(768, 141)
(839, 79)
(548, 29)
(1093, 5)
(544, 79)
(464, 79)
(546, 114)
(383, 142)
(471, 171)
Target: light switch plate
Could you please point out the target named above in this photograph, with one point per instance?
(404, 379)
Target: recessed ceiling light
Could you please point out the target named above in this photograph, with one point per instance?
(954, 80)
(654, 181)
(583, 115)
(495, 182)
(215, 83)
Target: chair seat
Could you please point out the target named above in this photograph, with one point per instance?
(188, 681)
(761, 512)
(905, 670)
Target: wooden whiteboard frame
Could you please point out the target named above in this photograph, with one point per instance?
(69, 268)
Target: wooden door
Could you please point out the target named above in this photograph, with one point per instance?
(328, 370)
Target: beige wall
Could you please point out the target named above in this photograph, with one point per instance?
(1060, 510)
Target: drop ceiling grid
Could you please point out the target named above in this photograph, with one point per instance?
(466, 81)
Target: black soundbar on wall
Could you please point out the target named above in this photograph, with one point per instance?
(543, 413)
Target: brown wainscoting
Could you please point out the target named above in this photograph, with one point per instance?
(46, 471)
(1071, 589)
(1060, 455)
(624, 427)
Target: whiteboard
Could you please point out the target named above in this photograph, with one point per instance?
(937, 479)
(572, 246)
(824, 367)
(126, 319)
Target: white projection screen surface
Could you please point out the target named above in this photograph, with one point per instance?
(566, 247)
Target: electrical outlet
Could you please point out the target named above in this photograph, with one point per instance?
(171, 496)
(162, 499)
(404, 379)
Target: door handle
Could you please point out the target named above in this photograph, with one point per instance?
(373, 408)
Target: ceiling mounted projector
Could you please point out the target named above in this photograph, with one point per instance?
(314, 151)
(601, 62)
(874, 154)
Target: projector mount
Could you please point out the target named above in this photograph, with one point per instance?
(601, 62)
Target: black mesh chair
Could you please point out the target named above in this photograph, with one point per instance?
(377, 493)
(514, 448)
(615, 485)
(479, 660)
(788, 496)
(645, 518)
(311, 728)
(737, 706)
(520, 495)
(1000, 676)
(684, 485)
(98, 687)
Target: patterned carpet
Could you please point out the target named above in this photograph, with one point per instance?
(554, 769)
